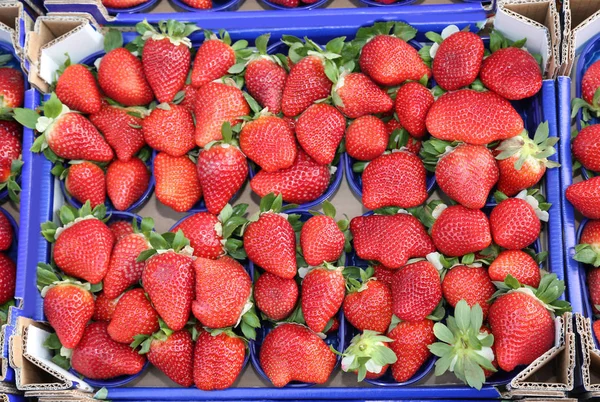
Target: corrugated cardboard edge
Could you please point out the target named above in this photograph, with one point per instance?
(69, 395)
(3, 359)
(12, 13)
(103, 16)
(590, 355)
(591, 15)
(8, 388)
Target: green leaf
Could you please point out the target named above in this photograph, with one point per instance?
(596, 97)
(496, 40)
(434, 37)
(261, 43)
(101, 394)
(252, 103)
(329, 209)
(28, 118)
(113, 40)
(248, 331)
(442, 332)
(335, 45)
(157, 241)
(266, 202)
(52, 342)
(62, 362)
(52, 107)
(541, 133)
(520, 43)
(404, 31)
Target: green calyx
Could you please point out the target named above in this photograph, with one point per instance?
(166, 241)
(229, 135)
(242, 52)
(587, 254)
(4, 310)
(464, 348)
(344, 224)
(533, 192)
(522, 147)
(249, 320)
(232, 223)
(425, 212)
(113, 39)
(398, 139)
(70, 215)
(433, 149)
(177, 32)
(145, 341)
(357, 278)
(259, 52)
(62, 355)
(48, 277)
(14, 190)
(499, 41)
(587, 109)
(398, 29)
(368, 352)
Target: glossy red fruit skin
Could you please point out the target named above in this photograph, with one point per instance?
(265, 81)
(166, 66)
(170, 130)
(121, 77)
(85, 181)
(126, 182)
(366, 138)
(585, 197)
(512, 73)
(133, 315)
(413, 101)
(321, 240)
(177, 184)
(596, 329)
(396, 179)
(13, 87)
(116, 125)
(361, 96)
(124, 270)
(189, 99)
(459, 231)
(6, 232)
(201, 232)
(68, 308)
(514, 224)
(174, 357)
(120, 229)
(586, 147)
(383, 274)
(472, 284)
(269, 142)
(458, 60)
(410, 346)
(122, 3)
(593, 281)
(412, 145)
(77, 88)
(416, 291)
(590, 82)
(306, 83)
(10, 146)
(319, 131)
(104, 308)
(511, 181)
(8, 278)
(213, 58)
(322, 295)
(370, 308)
(275, 296)
(218, 361)
(519, 265)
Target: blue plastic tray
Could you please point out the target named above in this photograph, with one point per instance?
(12, 252)
(302, 6)
(218, 5)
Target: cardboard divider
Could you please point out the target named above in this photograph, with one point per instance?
(14, 23)
(581, 23)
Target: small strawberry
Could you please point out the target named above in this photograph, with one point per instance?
(218, 359)
(383, 274)
(269, 142)
(77, 88)
(590, 84)
(8, 275)
(320, 129)
(177, 184)
(410, 344)
(12, 88)
(170, 128)
(356, 95)
(122, 129)
(413, 101)
(190, 94)
(322, 295)
(515, 223)
(593, 282)
(104, 308)
(10, 153)
(585, 197)
(416, 291)
(200, 4)
(517, 263)
(368, 355)
(275, 296)
(287, 3)
(471, 284)
(368, 305)
(120, 229)
(6, 232)
(322, 239)
(85, 181)
(133, 315)
(173, 354)
(126, 182)
(458, 231)
(366, 138)
(586, 147)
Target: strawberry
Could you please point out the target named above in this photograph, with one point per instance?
(391, 240)
(587, 251)
(368, 305)
(589, 92)
(383, 274)
(473, 117)
(98, 356)
(516, 315)
(416, 291)
(596, 329)
(177, 184)
(12, 88)
(471, 284)
(133, 316)
(173, 354)
(396, 179)
(120, 229)
(170, 128)
(85, 181)
(82, 248)
(200, 4)
(121, 128)
(585, 197)
(292, 352)
(306, 83)
(287, 3)
(104, 308)
(121, 77)
(218, 360)
(275, 296)
(366, 138)
(322, 239)
(10, 153)
(217, 103)
(390, 60)
(319, 130)
(166, 56)
(517, 263)
(457, 60)
(305, 181)
(122, 3)
(410, 344)
(459, 231)
(222, 169)
(593, 282)
(269, 142)
(190, 94)
(514, 224)
(6, 232)
(368, 355)
(77, 88)
(586, 147)
(8, 273)
(126, 182)
(413, 101)
(214, 57)
(322, 295)
(356, 95)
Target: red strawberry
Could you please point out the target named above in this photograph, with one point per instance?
(369, 307)
(585, 197)
(189, 98)
(120, 229)
(269, 142)
(416, 291)
(391, 240)
(121, 77)
(174, 356)
(218, 360)
(8, 273)
(201, 230)
(214, 57)
(99, 357)
(400, 139)
(368, 355)
(410, 346)
(201, 4)
(396, 179)
(471, 284)
(457, 60)
(12, 88)
(170, 128)
(320, 130)
(10, 150)
(124, 270)
(517, 263)
(85, 181)
(126, 182)
(104, 308)
(323, 290)
(514, 224)
(133, 316)
(586, 147)
(6, 232)
(593, 281)
(473, 117)
(292, 352)
(459, 231)
(366, 138)
(287, 3)
(321, 238)
(122, 3)
(305, 181)
(413, 101)
(275, 296)
(121, 128)
(77, 88)
(359, 96)
(589, 88)
(383, 274)
(177, 184)
(306, 83)
(596, 329)
(512, 73)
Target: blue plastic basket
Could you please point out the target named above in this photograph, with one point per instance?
(373, 3)
(302, 6)
(218, 5)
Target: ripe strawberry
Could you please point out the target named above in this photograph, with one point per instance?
(99, 357)
(8, 273)
(218, 360)
(121, 128)
(368, 355)
(85, 181)
(369, 306)
(319, 130)
(322, 239)
(121, 77)
(512, 73)
(467, 174)
(514, 224)
(169, 280)
(104, 308)
(214, 57)
(173, 354)
(305, 181)
(77, 88)
(126, 182)
(287, 3)
(585, 197)
(122, 3)
(201, 230)
(269, 142)
(170, 128)
(413, 101)
(459, 231)
(190, 94)
(391, 240)
(457, 60)
(6, 232)
(517, 263)
(306, 83)
(217, 103)
(166, 57)
(396, 179)
(593, 281)
(410, 344)
(124, 270)
(416, 291)
(292, 352)
(201, 4)
(471, 284)
(133, 316)
(473, 117)
(322, 295)
(177, 184)
(412, 144)
(383, 274)
(586, 147)
(359, 96)
(10, 150)
(366, 138)
(596, 329)
(12, 88)
(590, 83)
(120, 229)
(275, 296)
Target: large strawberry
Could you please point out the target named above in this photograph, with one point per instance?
(322, 295)
(586, 147)
(133, 315)
(585, 197)
(517, 263)
(269, 142)
(292, 352)
(410, 344)
(173, 354)
(366, 138)
(126, 182)
(319, 130)
(356, 95)
(322, 239)
(416, 291)
(77, 88)
(85, 181)
(515, 222)
(413, 101)
(122, 129)
(6, 232)
(469, 283)
(590, 83)
(82, 246)
(218, 359)
(177, 184)
(368, 304)
(458, 231)
(473, 117)
(275, 296)
(170, 128)
(368, 355)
